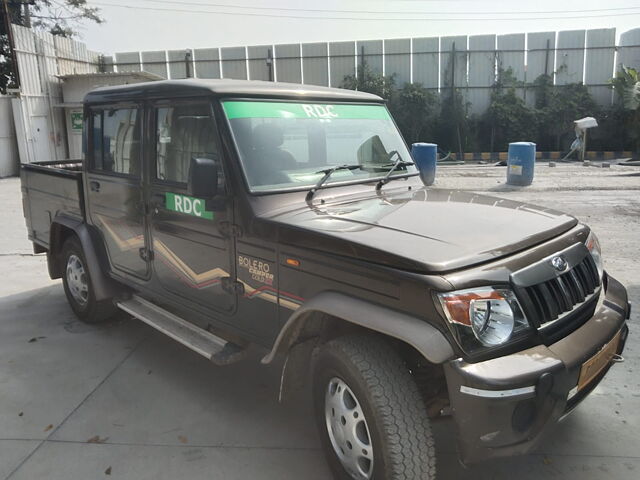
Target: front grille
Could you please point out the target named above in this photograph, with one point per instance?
(552, 299)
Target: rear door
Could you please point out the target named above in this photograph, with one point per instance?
(114, 188)
(191, 248)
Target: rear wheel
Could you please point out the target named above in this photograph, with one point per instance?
(371, 418)
(78, 287)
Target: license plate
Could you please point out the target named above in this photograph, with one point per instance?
(592, 367)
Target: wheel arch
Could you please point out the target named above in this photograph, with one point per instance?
(63, 227)
(303, 324)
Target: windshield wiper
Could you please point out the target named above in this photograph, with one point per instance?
(327, 173)
(394, 167)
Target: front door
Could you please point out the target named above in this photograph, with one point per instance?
(191, 252)
(113, 185)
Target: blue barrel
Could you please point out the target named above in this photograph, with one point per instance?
(520, 164)
(425, 156)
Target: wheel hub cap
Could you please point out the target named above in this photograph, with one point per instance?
(77, 280)
(348, 430)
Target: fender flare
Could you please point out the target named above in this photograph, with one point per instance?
(104, 287)
(422, 336)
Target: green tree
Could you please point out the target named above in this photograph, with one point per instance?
(371, 82)
(510, 118)
(416, 111)
(626, 85)
(58, 17)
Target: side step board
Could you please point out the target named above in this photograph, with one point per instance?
(216, 349)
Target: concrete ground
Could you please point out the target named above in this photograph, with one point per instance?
(122, 401)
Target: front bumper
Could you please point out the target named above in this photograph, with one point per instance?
(503, 406)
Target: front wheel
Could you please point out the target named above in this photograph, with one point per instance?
(78, 287)
(371, 417)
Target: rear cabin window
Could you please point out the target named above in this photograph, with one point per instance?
(183, 132)
(116, 141)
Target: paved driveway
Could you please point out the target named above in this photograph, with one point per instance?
(120, 400)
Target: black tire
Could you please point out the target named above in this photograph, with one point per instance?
(89, 311)
(399, 428)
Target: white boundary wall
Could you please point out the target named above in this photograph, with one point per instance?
(39, 122)
(587, 56)
(8, 149)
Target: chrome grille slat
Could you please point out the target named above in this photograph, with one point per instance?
(555, 298)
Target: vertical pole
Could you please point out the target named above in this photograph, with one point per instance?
(187, 62)
(453, 100)
(584, 145)
(12, 44)
(546, 59)
(270, 64)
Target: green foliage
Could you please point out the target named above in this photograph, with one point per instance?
(370, 82)
(626, 84)
(510, 118)
(562, 105)
(626, 108)
(416, 111)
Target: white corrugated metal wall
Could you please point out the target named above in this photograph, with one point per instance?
(587, 56)
(8, 148)
(42, 58)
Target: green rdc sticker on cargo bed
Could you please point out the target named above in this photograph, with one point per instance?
(187, 205)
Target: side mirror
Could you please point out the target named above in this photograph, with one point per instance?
(203, 178)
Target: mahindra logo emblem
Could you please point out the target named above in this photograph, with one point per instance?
(559, 263)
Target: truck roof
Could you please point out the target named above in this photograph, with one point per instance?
(225, 88)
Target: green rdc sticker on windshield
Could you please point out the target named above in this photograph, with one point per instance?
(188, 205)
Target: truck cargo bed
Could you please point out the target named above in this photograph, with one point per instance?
(50, 189)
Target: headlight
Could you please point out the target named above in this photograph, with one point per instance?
(483, 316)
(593, 245)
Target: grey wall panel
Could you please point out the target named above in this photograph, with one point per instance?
(107, 60)
(128, 61)
(315, 63)
(511, 53)
(482, 70)
(397, 60)
(342, 61)
(288, 63)
(426, 66)
(372, 54)
(511, 56)
(258, 67)
(234, 63)
(207, 61)
(155, 62)
(537, 54)
(178, 61)
(629, 52)
(570, 57)
(446, 61)
(599, 63)
(541, 53)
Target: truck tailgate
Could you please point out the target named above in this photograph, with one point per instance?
(49, 189)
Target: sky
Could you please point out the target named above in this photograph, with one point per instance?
(137, 25)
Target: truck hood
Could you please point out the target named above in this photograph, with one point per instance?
(422, 230)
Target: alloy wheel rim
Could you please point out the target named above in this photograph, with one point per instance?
(348, 430)
(77, 280)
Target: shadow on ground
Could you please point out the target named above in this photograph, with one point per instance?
(78, 399)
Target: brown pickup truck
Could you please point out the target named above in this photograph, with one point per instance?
(230, 214)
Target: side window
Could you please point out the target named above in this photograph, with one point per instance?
(184, 132)
(116, 141)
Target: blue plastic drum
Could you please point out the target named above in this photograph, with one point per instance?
(425, 156)
(520, 163)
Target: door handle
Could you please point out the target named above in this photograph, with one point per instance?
(94, 186)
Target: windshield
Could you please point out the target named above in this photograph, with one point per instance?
(286, 145)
